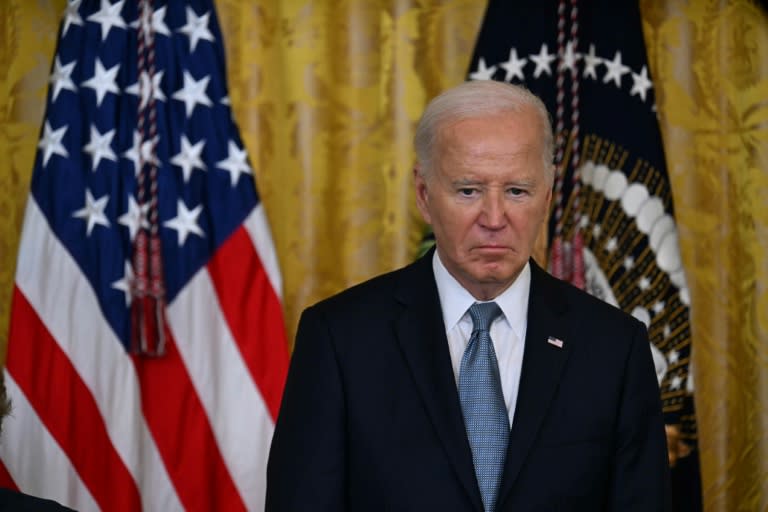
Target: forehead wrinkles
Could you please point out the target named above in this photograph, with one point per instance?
(500, 131)
(472, 152)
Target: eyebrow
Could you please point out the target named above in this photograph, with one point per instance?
(515, 183)
(465, 181)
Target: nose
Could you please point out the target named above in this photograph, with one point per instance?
(493, 215)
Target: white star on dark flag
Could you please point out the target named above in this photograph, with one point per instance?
(134, 217)
(51, 142)
(124, 283)
(71, 16)
(185, 222)
(235, 163)
(570, 57)
(483, 72)
(61, 78)
(591, 61)
(615, 70)
(193, 93)
(514, 66)
(543, 61)
(640, 83)
(157, 25)
(146, 156)
(154, 88)
(189, 157)
(93, 212)
(196, 28)
(108, 16)
(100, 146)
(103, 81)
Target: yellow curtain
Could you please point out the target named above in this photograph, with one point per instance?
(28, 34)
(327, 95)
(710, 64)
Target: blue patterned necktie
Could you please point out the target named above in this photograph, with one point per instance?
(482, 402)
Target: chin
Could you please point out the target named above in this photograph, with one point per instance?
(492, 276)
(500, 273)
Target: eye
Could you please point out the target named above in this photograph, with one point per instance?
(467, 191)
(514, 191)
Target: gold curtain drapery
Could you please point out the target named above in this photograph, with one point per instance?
(326, 95)
(27, 40)
(709, 60)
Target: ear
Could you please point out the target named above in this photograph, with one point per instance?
(549, 196)
(550, 187)
(422, 194)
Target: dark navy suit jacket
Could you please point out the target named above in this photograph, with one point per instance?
(12, 501)
(371, 420)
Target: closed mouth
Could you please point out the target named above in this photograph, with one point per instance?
(491, 247)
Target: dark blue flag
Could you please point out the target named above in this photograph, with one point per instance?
(613, 230)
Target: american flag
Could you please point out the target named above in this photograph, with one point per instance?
(95, 425)
(555, 341)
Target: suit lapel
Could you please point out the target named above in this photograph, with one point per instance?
(543, 363)
(421, 334)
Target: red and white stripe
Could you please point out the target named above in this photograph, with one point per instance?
(98, 429)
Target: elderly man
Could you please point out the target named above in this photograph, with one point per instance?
(472, 380)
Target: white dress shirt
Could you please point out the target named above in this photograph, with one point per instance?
(507, 331)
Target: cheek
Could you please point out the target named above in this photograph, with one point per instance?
(454, 227)
(527, 222)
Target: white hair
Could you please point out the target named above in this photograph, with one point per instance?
(478, 99)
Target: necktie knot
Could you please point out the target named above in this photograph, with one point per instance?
(483, 314)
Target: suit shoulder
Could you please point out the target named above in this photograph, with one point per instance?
(586, 303)
(19, 502)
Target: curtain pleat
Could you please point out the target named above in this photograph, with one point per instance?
(710, 65)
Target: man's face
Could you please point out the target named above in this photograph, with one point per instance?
(486, 198)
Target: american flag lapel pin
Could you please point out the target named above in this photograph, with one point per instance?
(555, 341)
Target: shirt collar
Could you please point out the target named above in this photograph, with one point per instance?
(455, 300)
